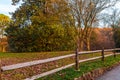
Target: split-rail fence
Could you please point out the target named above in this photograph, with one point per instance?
(76, 63)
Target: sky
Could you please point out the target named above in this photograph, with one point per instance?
(6, 7)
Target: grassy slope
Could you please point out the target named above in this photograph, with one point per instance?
(70, 73)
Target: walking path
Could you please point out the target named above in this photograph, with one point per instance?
(111, 75)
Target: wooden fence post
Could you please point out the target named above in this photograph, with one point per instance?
(0, 70)
(102, 54)
(76, 60)
(114, 54)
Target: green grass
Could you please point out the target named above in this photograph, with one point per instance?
(70, 73)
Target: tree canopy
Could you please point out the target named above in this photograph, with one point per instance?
(38, 26)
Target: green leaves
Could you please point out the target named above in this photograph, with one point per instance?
(40, 38)
(40, 25)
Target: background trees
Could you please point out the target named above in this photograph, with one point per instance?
(48, 25)
(4, 22)
(102, 37)
(113, 20)
(85, 14)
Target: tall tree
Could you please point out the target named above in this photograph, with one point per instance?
(85, 15)
(41, 25)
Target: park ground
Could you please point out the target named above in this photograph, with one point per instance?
(18, 74)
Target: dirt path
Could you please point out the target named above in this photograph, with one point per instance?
(111, 75)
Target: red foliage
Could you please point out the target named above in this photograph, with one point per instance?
(103, 38)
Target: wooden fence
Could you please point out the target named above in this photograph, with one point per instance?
(77, 61)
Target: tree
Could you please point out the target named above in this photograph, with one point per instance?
(38, 26)
(85, 14)
(117, 38)
(4, 21)
(102, 37)
(113, 20)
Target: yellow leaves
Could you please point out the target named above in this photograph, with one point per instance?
(39, 17)
(4, 20)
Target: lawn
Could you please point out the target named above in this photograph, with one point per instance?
(41, 55)
(13, 58)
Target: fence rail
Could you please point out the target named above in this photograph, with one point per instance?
(36, 62)
(77, 61)
(64, 67)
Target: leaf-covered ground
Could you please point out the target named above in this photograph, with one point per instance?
(19, 74)
(12, 58)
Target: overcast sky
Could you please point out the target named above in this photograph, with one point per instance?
(6, 7)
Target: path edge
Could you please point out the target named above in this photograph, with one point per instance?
(96, 73)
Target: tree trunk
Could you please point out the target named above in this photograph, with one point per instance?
(88, 43)
(80, 46)
(2, 49)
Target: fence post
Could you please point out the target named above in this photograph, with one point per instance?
(76, 60)
(102, 54)
(114, 53)
(0, 70)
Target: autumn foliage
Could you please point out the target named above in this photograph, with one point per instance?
(102, 37)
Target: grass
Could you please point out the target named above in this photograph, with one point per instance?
(13, 58)
(42, 55)
(70, 73)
